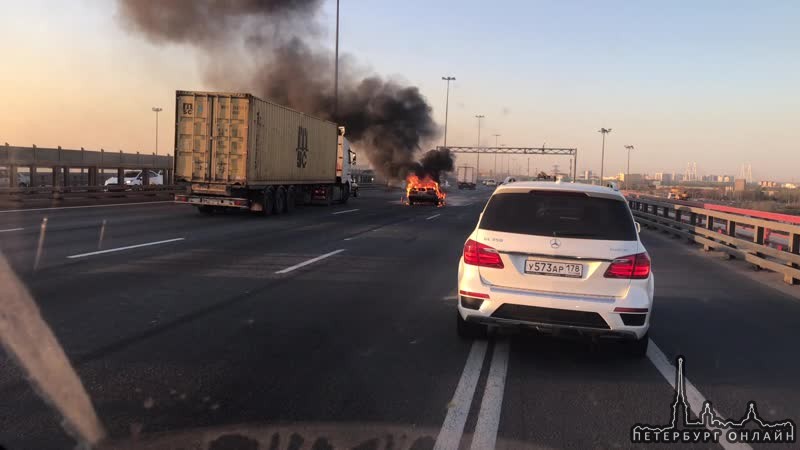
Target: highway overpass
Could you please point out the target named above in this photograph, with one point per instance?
(336, 326)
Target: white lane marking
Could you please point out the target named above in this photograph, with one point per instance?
(87, 206)
(433, 216)
(11, 229)
(119, 249)
(453, 426)
(693, 396)
(345, 212)
(310, 261)
(348, 239)
(485, 435)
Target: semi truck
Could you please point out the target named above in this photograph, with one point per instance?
(237, 151)
(466, 177)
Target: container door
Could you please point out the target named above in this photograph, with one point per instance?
(228, 150)
(192, 146)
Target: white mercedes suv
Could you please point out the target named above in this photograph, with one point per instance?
(563, 259)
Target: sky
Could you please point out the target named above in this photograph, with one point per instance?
(711, 82)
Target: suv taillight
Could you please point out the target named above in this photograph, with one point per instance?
(478, 254)
(634, 267)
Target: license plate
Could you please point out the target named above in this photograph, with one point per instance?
(552, 268)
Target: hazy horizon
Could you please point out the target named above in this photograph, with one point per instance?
(711, 83)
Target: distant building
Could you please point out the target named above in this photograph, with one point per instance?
(739, 185)
(664, 177)
(587, 174)
(632, 179)
(789, 186)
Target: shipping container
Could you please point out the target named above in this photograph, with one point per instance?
(237, 145)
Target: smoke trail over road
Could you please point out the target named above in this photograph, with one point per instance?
(387, 119)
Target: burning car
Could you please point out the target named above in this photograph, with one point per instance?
(423, 190)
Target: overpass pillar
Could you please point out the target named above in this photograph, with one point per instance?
(120, 177)
(54, 174)
(66, 176)
(12, 177)
(145, 177)
(92, 177)
(34, 181)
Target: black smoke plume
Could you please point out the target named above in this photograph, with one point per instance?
(433, 163)
(388, 120)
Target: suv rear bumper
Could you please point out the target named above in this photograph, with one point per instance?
(559, 314)
(560, 330)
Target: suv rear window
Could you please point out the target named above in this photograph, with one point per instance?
(560, 214)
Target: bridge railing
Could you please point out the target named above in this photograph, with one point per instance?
(745, 234)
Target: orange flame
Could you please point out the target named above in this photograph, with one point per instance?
(413, 181)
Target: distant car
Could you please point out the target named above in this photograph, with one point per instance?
(423, 195)
(23, 180)
(558, 258)
(135, 178)
(509, 180)
(490, 182)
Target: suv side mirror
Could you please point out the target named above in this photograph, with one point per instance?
(638, 227)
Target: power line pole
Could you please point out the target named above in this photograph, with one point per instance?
(157, 110)
(478, 170)
(604, 132)
(447, 106)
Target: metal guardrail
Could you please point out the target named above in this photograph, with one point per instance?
(61, 193)
(727, 232)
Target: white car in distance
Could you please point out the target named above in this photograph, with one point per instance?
(562, 259)
(135, 178)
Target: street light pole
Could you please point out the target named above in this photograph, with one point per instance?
(604, 132)
(628, 170)
(494, 173)
(447, 106)
(479, 117)
(157, 110)
(336, 70)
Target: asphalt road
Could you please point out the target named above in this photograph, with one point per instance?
(218, 330)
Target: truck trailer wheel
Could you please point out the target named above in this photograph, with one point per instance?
(280, 200)
(268, 202)
(291, 199)
(345, 192)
